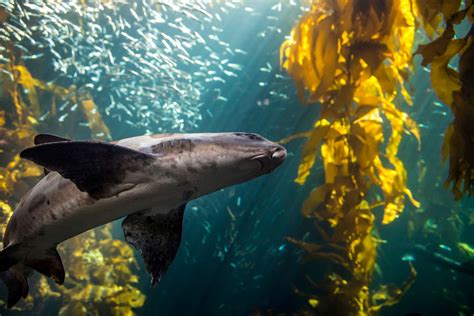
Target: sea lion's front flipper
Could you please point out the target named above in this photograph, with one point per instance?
(48, 263)
(157, 237)
(95, 167)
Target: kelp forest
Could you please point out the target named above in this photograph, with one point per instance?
(374, 180)
(354, 59)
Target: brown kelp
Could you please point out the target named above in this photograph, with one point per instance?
(353, 57)
(452, 86)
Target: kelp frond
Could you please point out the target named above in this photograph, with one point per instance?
(353, 57)
(453, 87)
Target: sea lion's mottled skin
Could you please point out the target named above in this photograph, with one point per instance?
(185, 166)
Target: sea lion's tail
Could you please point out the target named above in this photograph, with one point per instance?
(16, 283)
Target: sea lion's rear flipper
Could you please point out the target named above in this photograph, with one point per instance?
(97, 168)
(157, 237)
(49, 264)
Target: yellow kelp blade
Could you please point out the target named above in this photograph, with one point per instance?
(98, 128)
(321, 128)
(28, 82)
(310, 56)
(444, 79)
(315, 199)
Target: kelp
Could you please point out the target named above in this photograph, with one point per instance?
(388, 295)
(452, 86)
(100, 277)
(100, 269)
(22, 76)
(466, 249)
(353, 58)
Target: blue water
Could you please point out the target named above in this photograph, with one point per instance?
(234, 258)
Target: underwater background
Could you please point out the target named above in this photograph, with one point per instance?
(277, 245)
